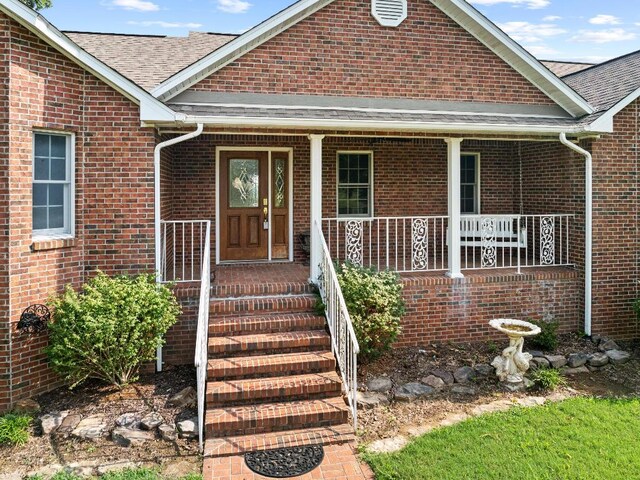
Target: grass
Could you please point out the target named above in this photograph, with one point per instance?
(576, 439)
(14, 429)
(131, 474)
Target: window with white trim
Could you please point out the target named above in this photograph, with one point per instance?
(52, 184)
(470, 184)
(355, 180)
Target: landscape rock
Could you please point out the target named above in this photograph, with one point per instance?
(540, 362)
(151, 421)
(188, 428)
(184, 399)
(575, 371)
(463, 390)
(179, 469)
(598, 359)
(47, 471)
(412, 391)
(556, 361)
(596, 339)
(128, 419)
(434, 382)
(116, 467)
(90, 428)
(454, 418)
(11, 476)
(464, 375)
(51, 421)
(497, 406)
(536, 353)
(606, 345)
(531, 401)
(515, 386)
(125, 437)
(69, 423)
(447, 377)
(28, 405)
(388, 445)
(618, 356)
(168, 432)
(379, 384)
(484, 370)
(576, 360)
(371, 399)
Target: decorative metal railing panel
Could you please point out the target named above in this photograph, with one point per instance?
(343, 338)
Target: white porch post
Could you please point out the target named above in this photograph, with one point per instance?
(453, 159)
(316, 203)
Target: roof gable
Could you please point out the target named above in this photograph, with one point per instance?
(458, 10)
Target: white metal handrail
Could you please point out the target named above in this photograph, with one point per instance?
(343, 337)
(182, 249)
(202, 336)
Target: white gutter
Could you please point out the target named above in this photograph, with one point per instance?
(156, 208)
(588, 227)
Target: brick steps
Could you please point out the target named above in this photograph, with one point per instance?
(270, 417)
(279, 322)
(253, 289)
(271, 365)
(295, 387)
(262, 305)
(228, 446)
(262, 343)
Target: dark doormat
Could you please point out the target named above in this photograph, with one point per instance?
(285, 462)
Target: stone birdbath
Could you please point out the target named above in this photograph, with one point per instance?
(513, 363)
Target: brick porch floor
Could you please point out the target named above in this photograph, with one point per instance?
(340, 463)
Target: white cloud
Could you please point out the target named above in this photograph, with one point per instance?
(160, 23)
(551, 18)
(533, 4)
(605, 20)
(603, 36)
(233, 6)
(138, 5)
(541, 51)
(530, 32)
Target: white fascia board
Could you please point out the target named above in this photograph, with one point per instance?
(237, 48)
(38, 25)
(516, 56)
(606, 120)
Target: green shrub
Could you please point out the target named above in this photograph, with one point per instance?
(547, 379)
(108, 329)
(547, 340)
(375, 304)
(14, 429)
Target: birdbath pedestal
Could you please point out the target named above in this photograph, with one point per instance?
(513, 363)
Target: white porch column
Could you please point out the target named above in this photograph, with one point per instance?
(316, 203)
(453, 159)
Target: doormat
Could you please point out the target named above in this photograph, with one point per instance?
(285, 462)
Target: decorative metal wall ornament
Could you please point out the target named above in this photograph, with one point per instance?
(547, 241)
(489, 243)
(285, 462)
(419, 244)
(353, 234)
(34, 319)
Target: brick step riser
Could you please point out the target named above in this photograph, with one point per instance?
(247, 374)
(279, 424)
(258, 306)
(218, 329)
(272, 397)
(235, 350)
(256, 290)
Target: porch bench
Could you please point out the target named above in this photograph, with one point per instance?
(506, 234)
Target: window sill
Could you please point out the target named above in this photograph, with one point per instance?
(41, 244)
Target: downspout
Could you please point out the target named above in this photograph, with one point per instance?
(157, 212)
(588, 229)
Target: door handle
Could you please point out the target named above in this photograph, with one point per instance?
(265, 210)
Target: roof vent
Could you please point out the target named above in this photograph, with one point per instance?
(389, 13)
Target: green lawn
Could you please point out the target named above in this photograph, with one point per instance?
(575, 439)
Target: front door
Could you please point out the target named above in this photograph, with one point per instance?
(244, 206)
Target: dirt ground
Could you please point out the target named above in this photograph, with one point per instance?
(411, 364)
(149, 394)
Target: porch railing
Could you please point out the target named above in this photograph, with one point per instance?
(343, 338)
(178, 238)
(421, 243)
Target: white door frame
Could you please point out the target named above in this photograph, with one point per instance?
(269, 151)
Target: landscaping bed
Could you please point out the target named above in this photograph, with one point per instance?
(398, 412)
(95, 449)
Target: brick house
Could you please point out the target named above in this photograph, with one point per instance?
(411, 135)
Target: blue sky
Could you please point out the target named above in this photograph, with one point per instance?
(582, 30)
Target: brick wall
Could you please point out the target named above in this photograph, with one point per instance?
(342, 50)
(113, 191)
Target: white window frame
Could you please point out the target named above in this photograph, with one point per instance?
(371, 182)
(478, 195)
(68, 231)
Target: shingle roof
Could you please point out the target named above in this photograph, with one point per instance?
(606, 84)
(562, 69)
(146, 59)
